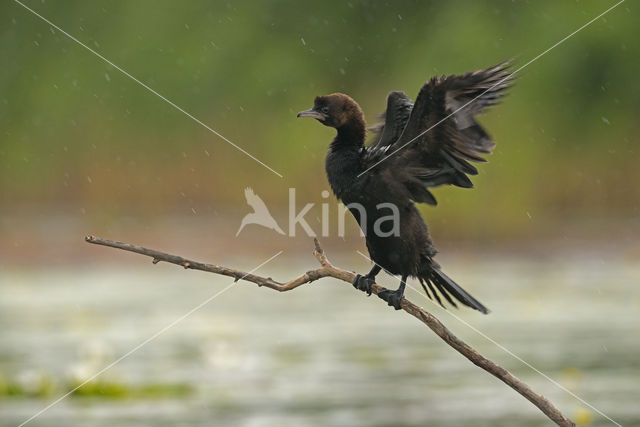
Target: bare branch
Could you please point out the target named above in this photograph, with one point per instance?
(328, 270)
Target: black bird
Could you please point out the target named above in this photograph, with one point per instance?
(417, 146)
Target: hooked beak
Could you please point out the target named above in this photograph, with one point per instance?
(312, 113)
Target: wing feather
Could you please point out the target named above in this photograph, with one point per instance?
(394, 120)
(439, 135)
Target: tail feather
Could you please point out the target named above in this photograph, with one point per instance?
(435, 294)
(449, 288)
(444, 293)
(426, 291)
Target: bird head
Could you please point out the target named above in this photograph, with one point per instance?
(336, 110)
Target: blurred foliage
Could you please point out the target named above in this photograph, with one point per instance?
(115, 390)
(43, 385)
(77, 134)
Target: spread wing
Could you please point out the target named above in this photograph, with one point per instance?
(441, 136)
(395, 118)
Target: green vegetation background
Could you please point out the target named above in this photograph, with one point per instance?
(76, 134)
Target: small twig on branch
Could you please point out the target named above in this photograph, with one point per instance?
(328, 270)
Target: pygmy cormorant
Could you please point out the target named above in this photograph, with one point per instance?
(417, 146)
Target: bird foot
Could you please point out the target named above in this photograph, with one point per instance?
(392, 298)
(363, 283)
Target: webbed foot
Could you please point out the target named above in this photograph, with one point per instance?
(393, 298)
(363, 283)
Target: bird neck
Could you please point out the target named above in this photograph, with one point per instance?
(343, 163)
(350, 134)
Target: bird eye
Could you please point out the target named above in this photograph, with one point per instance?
(325, 110)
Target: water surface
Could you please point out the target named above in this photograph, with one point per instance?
(321, 355)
